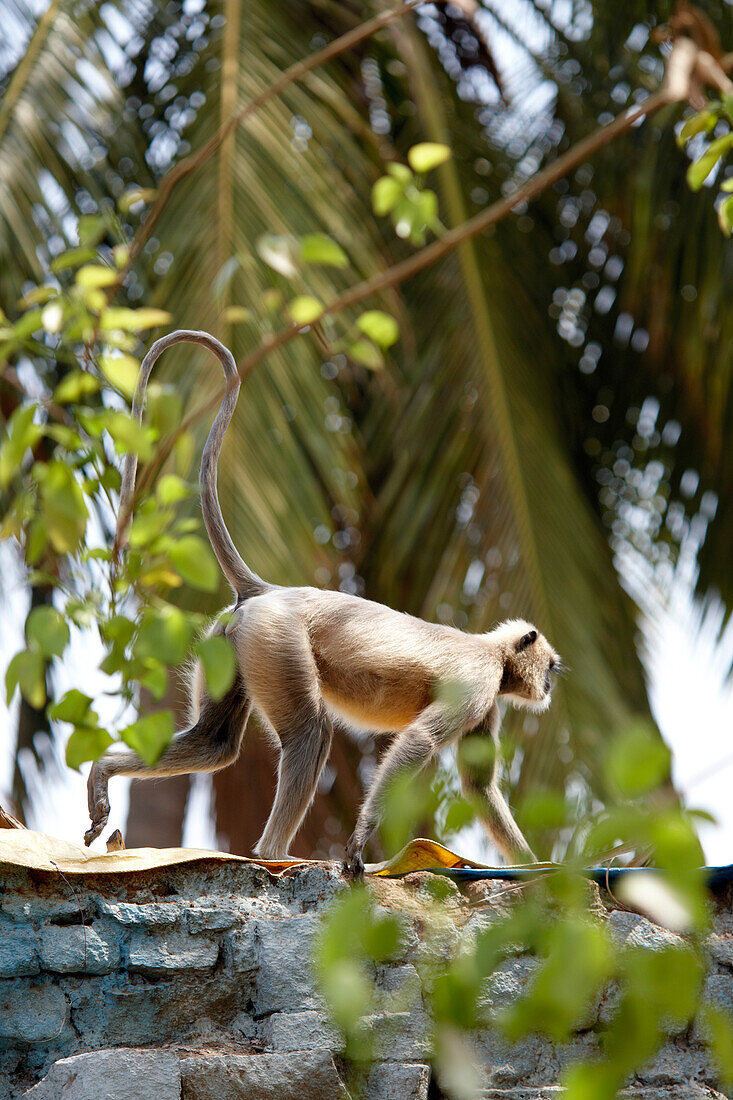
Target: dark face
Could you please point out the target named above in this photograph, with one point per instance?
(527, 676)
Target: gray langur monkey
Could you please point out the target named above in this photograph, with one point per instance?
(307, 659)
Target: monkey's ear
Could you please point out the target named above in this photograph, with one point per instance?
(526, 639)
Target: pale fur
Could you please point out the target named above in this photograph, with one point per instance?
(309, 659)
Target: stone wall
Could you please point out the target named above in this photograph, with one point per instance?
(193, 983)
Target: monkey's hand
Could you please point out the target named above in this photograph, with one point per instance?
(354, 864)
(98, 803)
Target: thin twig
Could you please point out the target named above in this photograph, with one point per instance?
(423, 258)
(289, 76)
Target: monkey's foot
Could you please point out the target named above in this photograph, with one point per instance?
(98, 804)
(354, 863)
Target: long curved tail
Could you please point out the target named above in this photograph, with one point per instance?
(244, 582)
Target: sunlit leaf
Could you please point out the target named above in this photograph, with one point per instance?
(379, 327)
(305, 310)
(121, 371)
(27, 671)
(92, 276)
(133, 320)
(150, 735)
(86, 743)
(133, 196)
(73, 706)
(277, 253)
(317, 248)
(195, 561)
(217, 657)
(427, 155)
(385, 195)
(75, 387)
(48, 630)
(366, 354)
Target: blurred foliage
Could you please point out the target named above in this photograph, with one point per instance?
(552, 384)
(650, 993)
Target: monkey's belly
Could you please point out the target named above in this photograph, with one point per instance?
(376, 710)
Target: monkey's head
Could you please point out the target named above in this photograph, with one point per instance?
(529, 665)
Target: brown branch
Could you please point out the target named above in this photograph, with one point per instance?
(289, 76)
(425, 257)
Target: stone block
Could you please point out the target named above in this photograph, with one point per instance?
(31, 1013)
(18, 950)
(721, 949)
(676, 1063)
(637, 931)
(400, 1036)
(397, 1081)
(285, 980)
(290, 1031)
(119, 1074)
(31, 906)
(77, 949)
(213, 918)
(509, 980)
(150, 914)
(505, 1064)
(159, 955)
(307, 1075)
(241, 950)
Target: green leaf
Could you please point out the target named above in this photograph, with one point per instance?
(195, 561)
(637, 762)
(219, 664)
(399, 172)
(48, 630)
(725, 215)
(364, 353)
(427, 155)
(386, 193)
(700, 169)
(129, 436)
(134, 195)
(700, 123)
(277, 253)
(22, 433)
(379, 327)
(86, 743)
(148, 525)
(91, 276)
(75, 387)
(63, 508)
(317, 248)
(72, 257)
(121, 371)
(71, 707)
(305, 309)
(149, 736)
(164, 634)
(171, 489)
(91, 228)
(133, 320)
(27, 670)
(38, 296)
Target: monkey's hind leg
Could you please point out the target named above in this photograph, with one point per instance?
(303, 755)
(212, 743)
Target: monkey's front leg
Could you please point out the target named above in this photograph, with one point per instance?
(481, 785)
(98, 800)
(412, 748)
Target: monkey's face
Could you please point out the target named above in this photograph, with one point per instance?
(530, 664)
